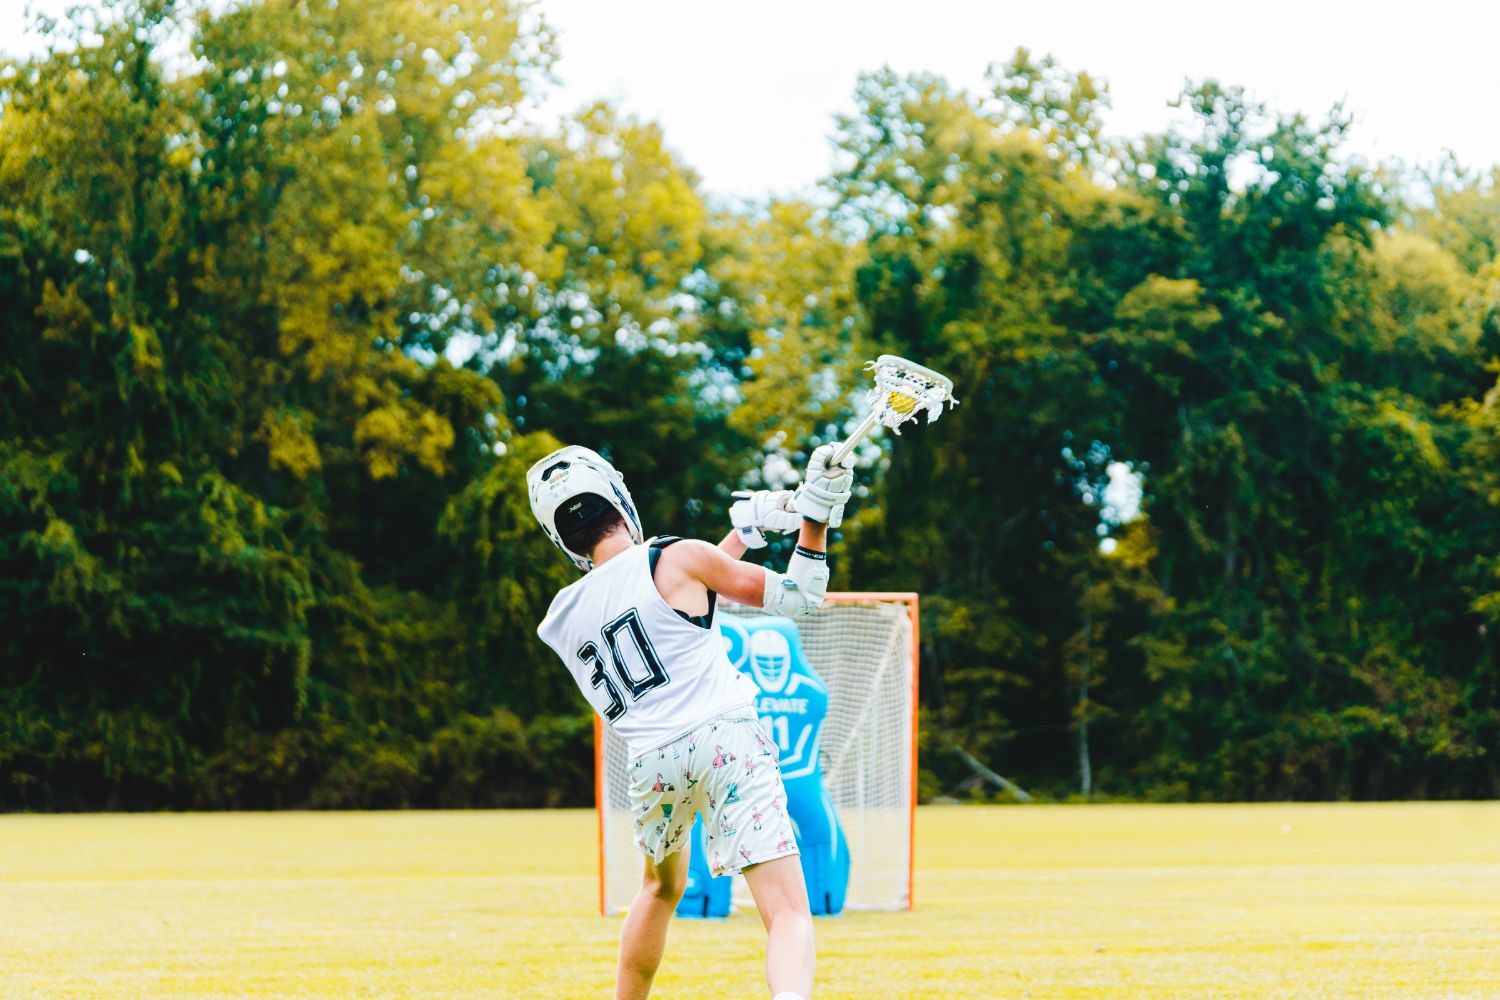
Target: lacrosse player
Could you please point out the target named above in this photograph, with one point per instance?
(639, 636)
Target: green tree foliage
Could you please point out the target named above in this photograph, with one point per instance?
(1461, 212)
(1301, 446)
(970, 222)
(291, 311)
(231, 436)
(617, 348)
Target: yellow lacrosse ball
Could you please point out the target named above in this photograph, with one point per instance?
(902, 403)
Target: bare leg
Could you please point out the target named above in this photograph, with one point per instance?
(645, 934)
(781, 896)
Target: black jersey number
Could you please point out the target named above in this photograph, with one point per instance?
(655, 674)
(589, 653)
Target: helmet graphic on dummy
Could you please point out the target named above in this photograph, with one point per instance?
(573, 487)
(770, 659)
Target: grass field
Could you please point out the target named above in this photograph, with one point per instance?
(1392, 901)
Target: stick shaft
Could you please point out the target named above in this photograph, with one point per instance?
(865, 426)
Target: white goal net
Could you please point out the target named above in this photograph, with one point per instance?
(864, 646)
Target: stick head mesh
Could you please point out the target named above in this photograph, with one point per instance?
(904, 388)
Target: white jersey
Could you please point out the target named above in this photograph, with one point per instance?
(652, 674)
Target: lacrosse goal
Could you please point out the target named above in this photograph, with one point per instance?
(864, 645)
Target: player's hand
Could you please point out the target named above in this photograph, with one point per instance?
(824, 491)
(762, 510)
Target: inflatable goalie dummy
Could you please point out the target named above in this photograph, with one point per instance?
(792, 705)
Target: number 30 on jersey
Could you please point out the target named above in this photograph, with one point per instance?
(646, 674)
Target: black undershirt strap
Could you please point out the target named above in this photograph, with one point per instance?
(657, 544)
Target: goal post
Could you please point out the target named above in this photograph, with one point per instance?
(865, 647)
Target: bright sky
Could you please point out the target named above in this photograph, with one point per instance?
(747, 92)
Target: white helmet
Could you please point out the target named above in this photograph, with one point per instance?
(575, 473)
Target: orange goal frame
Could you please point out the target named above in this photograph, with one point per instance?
(911, 600)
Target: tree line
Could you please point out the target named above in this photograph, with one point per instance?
(295, 292)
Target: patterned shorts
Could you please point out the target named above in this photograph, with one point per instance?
(728, 770)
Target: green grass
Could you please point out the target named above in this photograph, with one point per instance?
(1399, 900)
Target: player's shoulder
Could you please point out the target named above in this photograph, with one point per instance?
(683, 556)
(683, 549)
(562, 603)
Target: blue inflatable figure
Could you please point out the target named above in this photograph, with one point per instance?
(705, 896)
(792, 705)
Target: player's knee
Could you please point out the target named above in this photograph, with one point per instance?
(792, 924)
(667, 884)
(789, 911)
(668, 892)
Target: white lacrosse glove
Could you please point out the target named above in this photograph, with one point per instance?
(822, 495)
(768, 510)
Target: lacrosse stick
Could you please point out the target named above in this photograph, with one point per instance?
(902, 389)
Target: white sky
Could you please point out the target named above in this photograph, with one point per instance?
(747, 92)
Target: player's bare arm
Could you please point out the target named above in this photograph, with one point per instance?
(689, 570)
(732, 546)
